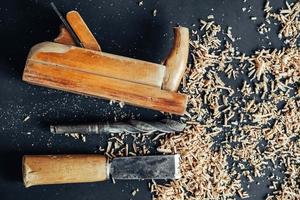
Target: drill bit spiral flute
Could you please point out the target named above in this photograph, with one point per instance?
(133, 126)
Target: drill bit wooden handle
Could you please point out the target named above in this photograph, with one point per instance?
(58, 169)
(133, 126)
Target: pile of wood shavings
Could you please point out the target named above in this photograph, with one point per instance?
(204, 172)
(288, 18)
(283, 63)
(258, 124)
(125, 144)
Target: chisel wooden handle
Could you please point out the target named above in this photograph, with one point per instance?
(50, 169)
(176, 61)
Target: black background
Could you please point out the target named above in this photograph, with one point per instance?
(121, 27)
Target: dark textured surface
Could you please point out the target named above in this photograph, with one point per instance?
(121, 27)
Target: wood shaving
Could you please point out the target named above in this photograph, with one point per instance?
(133, 193)
(154, 13)
(26, 118)
(76, 136)
(140, 3)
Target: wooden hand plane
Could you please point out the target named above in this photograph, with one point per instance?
(89, 71)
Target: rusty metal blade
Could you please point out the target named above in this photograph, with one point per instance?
(146, 167)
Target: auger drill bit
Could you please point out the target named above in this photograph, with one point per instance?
(132, 126)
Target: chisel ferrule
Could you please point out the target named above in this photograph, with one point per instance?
(177, 174)
(108, 168)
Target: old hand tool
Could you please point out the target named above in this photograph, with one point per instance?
(89, 71)
(58, 169)
(133, 126)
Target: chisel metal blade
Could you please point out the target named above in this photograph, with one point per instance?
(146, 167)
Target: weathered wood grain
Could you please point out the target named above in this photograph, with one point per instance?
(64, 37)
(50, 169)
(82, 31)
(99, 63)
(176, 62)
(67, 79)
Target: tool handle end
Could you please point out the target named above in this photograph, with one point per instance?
(59, 169)
(176, 62)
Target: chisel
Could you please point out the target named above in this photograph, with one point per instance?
(59, 169)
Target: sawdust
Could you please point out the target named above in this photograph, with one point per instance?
(235, 135)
